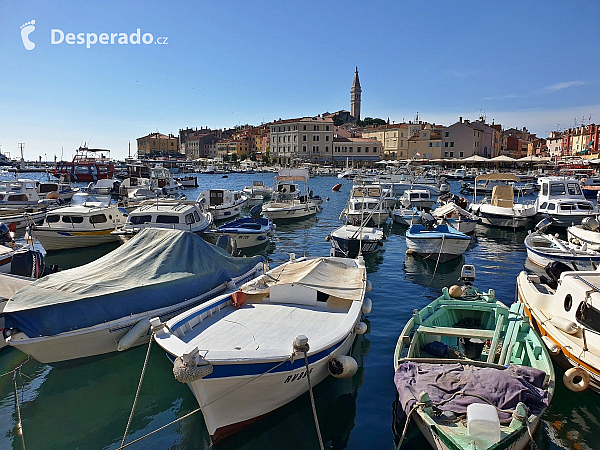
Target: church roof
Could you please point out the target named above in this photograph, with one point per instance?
(356, 82)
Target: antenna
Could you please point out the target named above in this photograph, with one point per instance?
(21, 147)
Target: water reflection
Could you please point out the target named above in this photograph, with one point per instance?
(425, 273)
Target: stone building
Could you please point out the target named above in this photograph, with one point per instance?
(302, 139)
(157, 144)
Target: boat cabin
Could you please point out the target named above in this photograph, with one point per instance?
(180, 215)
(19, 192)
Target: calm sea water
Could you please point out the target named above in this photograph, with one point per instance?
(87, 406)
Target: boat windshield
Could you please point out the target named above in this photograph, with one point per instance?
(87, 199)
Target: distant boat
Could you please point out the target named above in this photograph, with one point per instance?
(336, 187)
(437, 242)
(85, 167)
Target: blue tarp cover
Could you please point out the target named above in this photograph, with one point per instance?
(155, 269)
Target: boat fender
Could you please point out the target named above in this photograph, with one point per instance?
(360, 328)
(455, 291)
(327, 238)
(238, 298)
(367, 306)
(565, 325)
(188, 373)
(551, 345)
(342, 366)
(135, 333)
(369, 286)
(230, 285)
(576, 379)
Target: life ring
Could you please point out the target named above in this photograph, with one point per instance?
(579, 374)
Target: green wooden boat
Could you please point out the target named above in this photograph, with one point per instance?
(468, 348)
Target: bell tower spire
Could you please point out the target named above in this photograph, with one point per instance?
(355, 92)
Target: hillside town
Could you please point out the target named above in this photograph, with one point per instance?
(333, 138)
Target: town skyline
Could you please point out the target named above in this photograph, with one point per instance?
(235, 67)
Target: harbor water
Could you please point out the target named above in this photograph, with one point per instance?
(86, 406)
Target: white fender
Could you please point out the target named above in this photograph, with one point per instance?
(576, 379)
(551, 345)
(134, 334)
(369, 286)
(342, 366)
(367, 306)
(566, 325)
(360, 328)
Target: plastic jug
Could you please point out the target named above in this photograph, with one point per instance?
(483, 422)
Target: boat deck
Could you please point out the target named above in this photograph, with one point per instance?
(262, 326)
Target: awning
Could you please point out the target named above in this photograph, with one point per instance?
(474, 159)
(503, 158)
(498, 177)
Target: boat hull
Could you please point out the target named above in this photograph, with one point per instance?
(579, 236)
(563, 220)
(463, 225)
(291, 212)
(349, 248)
(57, 240)
(542, 258)
(225, 414)
(436, 249)
(378, 217)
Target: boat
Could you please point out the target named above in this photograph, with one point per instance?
(564, 309)
(590, 186)
(486, 183)
(106, 186)
(543, 249)
(85, 225)
(19, 193)
(247, 354)
(501, 209)
(85, 166)
(246, 232)
(365, 202)
(562, 201)
(420, 198)
(471, 372)
(162, 181)
(19, 259)
(187, 181)
(439, 242)
(56, 190)
(258, 188)
(350, 241)
(457, 217)
(587, 233)
(105, 306)
(171, 214)
(287, 203)
(337, 187)
(223, 203)
(406, 216)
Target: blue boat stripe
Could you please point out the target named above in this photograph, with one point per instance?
(238, 370)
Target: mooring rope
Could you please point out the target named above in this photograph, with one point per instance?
(19, 421)
(304, 350)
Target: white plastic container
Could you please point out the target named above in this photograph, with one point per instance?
(483, 422)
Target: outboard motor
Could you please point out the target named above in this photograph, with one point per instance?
(543, 225)
(227, 244)
(28, 263)
(554, 269)
(256, 211)
(590, 224)
(5, 236)
(428, 221)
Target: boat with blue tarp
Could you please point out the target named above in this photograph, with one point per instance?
(439, 242)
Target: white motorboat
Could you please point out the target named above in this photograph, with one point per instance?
(439, 242)
(562, 201)
(19, 193)
(587, 233)
(56, 190)
(187, 181)
(223, 203)
(457, 217)
(419, 198)
(258, 188)
(248, 354)
(542, 249)
(169, 214)
(105, 306)
(287, 203)
(162, 181)
(350, 241)
(565, 310)
(406, 216)
(246, 232)
(365, 205)
(85, 225)
(501, 210)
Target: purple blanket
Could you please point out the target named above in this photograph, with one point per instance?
(504, 388)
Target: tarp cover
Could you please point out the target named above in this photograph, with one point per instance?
(155, 269)
(504, 388)
(323, 274)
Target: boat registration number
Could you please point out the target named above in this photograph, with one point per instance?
(297, 376)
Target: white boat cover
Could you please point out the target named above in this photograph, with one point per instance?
(155, 269)
(450, 207)
(323, 274)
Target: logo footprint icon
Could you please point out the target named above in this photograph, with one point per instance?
(26, 30)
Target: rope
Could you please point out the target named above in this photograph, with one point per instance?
(415, 406)
(312, 398)
(19, 421)
(137, 394)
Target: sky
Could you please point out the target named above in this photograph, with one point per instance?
(522, 64)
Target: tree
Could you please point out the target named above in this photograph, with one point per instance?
(337, 120)
(253, 157)
(266, 157)
(226, 158)
(234, 157)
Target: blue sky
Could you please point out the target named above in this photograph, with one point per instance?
(531, 64)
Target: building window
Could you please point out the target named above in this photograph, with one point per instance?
(366, 149)
(447, 134)
(452, 144)
(304, 127)
(304, 148)
(326, 127)
(358, 150)
(451, 154)
(461, 154)
(437, 144)
(327, 148)
(304, 137)
(401, 143)
(430, 144)
(327, 137)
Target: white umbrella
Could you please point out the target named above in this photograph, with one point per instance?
(474, 159)
(503, 158)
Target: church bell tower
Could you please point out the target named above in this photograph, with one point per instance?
(355, 92)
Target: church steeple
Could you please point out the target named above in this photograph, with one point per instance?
(355, 92)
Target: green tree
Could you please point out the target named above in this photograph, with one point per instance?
(234, 157)
(266, 157)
